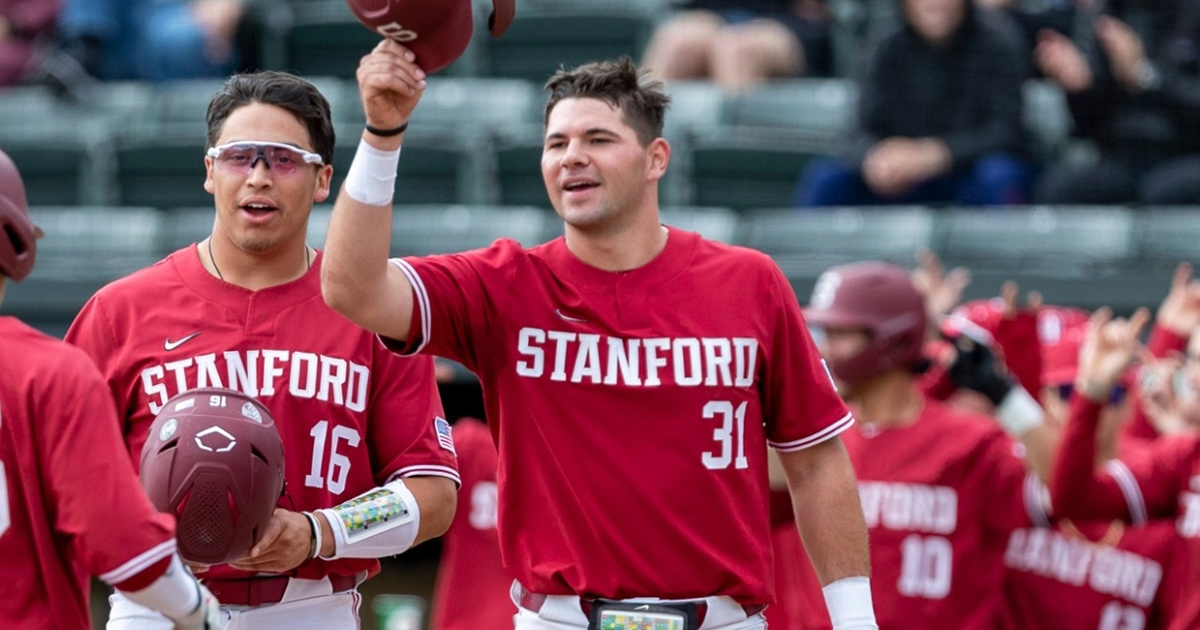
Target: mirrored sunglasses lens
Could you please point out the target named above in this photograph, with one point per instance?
(283, 160)
(238, 157)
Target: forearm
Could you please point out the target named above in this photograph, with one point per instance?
(409, 511)
(1077, 489)
(356, 278)
(828, 510)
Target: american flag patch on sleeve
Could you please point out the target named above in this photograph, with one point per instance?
(442, 428)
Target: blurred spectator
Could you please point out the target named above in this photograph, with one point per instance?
(153, 40)
(22, 24)
(742, 43)
(939, 116)
(1132, 77)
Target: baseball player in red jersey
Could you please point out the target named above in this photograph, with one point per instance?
(1159, 480)
(370, 466)
(941, 489)
(63, 476)
(1084, 575)
(633, 374)
(472, 586)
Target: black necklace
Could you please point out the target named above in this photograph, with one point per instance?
(211, 258)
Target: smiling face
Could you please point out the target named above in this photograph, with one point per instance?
(263, 211)
(597, 174)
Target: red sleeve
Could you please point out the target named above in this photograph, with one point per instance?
(452, 301)
(93, 332)
(407, 431)
(1018, 340)
(92, 480)
(801, 406)
(1163, 342)
(1007, 484)
(1143, 485)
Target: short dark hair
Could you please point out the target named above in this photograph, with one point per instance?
(281, 89)
(619, 83)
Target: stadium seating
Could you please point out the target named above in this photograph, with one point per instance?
(420, 230)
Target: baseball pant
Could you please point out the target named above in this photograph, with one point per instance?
(307, 605)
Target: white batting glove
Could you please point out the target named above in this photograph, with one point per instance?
(206, 616)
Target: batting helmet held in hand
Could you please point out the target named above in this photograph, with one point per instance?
(876, 297)
(214, 459)
(18, 234)
(437, 31)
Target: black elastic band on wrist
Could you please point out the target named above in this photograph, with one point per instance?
(313, 550)
(385, 133)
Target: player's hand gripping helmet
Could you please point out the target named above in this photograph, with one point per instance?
(876, 297)
(437, 31)
(214, 459)
(18, 234)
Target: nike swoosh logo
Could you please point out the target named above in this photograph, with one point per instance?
(643, 607)
(568, 317)
(171, 345)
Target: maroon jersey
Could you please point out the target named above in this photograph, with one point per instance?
(632, 409)
(63, 480)
(940, 497)
(1090, 576)
(352, 415)
(1159, 480)
(472, 589)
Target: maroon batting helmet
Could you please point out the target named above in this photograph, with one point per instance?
(876, 297)
(18, 234)
(437, 31)
(214, 459)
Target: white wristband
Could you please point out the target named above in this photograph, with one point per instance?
(1019, 413)
(372, 175)
(849, 603)
(378, 523)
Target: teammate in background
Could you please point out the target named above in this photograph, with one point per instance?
(633, 374)
(63, 476)
(1041, 590)
(472, 586)
(1156, 481)
(941, 489)
(370, 465)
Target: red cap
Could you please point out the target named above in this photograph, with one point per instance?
(437, 31)
(1061, 331)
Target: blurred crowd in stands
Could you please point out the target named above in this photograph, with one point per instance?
(939, 115)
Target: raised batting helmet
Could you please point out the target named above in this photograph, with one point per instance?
(437, 31)
(215, 460)
(18, 234)
(876, 297)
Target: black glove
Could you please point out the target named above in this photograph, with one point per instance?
(976, 367)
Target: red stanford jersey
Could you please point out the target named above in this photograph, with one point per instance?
(70, 502)
(472, 586)
(352, 415)
(632, 409)
(940, 498)
(1087, 577)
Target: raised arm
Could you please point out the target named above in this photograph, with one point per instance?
(1079, 489)
(356, 278)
